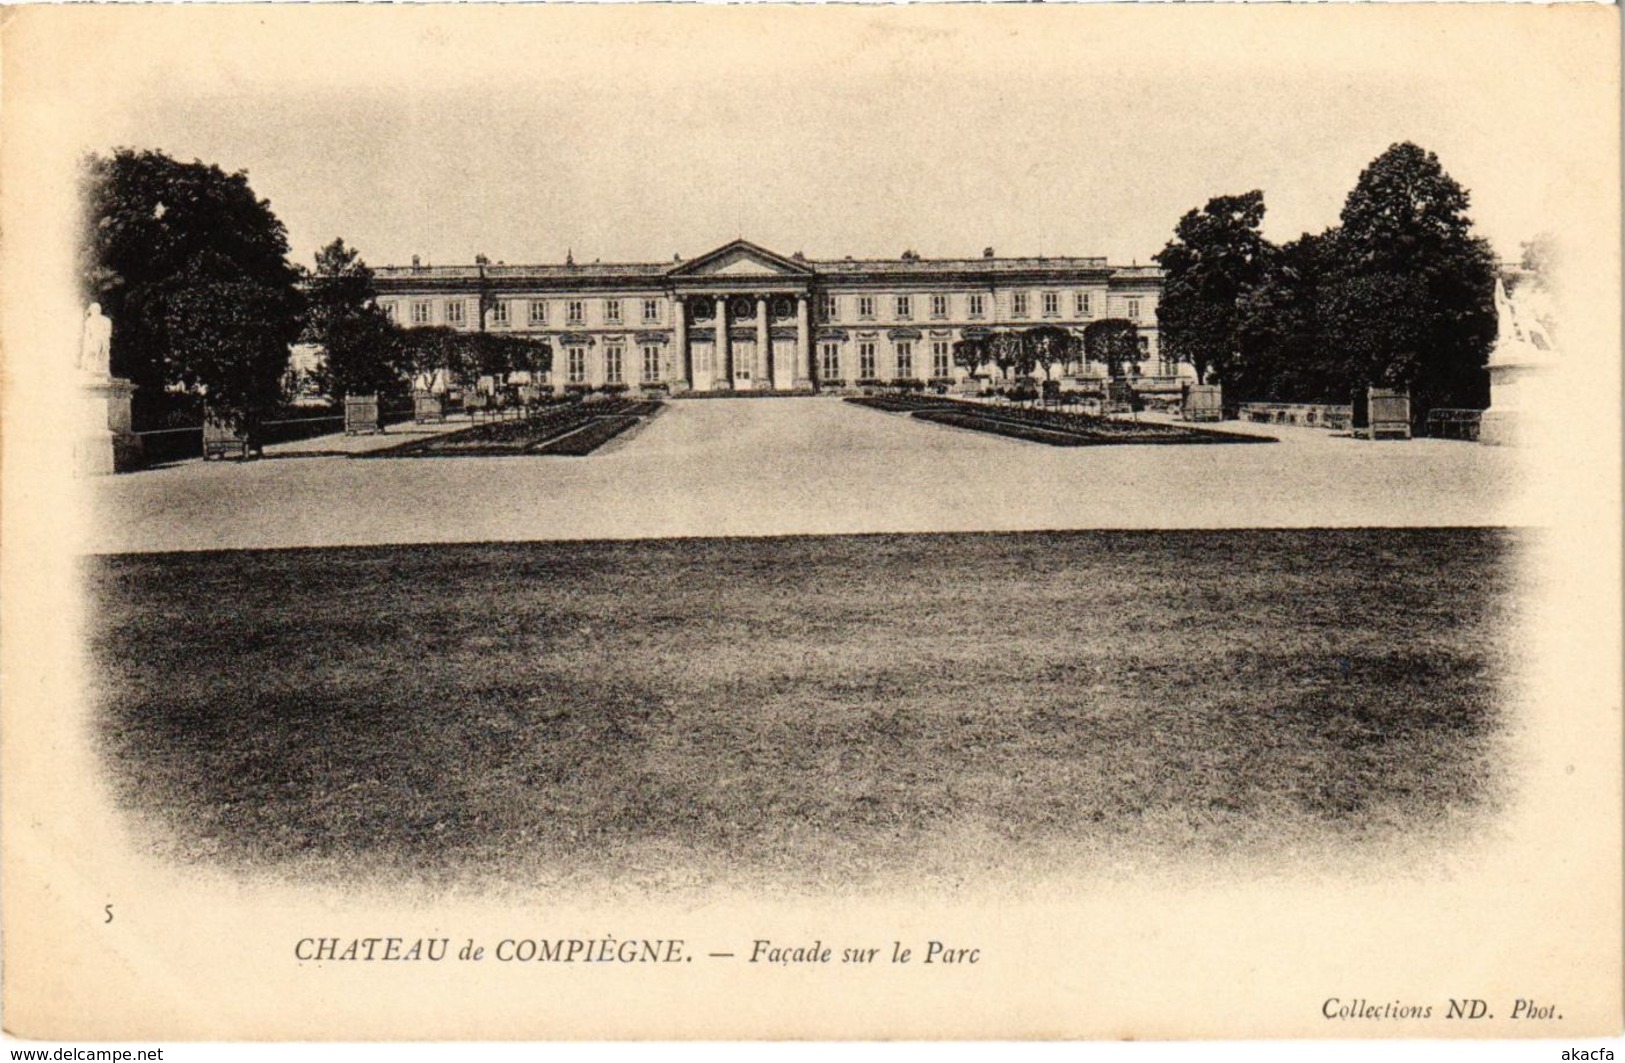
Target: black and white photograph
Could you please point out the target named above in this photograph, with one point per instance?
(938, 522)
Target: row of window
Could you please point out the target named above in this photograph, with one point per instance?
(829, 360)
(575, 310)
(575, 364)
(903, 306)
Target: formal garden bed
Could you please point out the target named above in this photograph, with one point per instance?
(568, 428)
(1051, 427)
(584, 441)
(902, 403)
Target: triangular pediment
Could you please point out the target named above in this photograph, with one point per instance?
(741, 259)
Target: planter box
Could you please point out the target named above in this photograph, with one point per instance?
(1388, 414)
(361, 415)
(427, 406)
(1203, 402)
(220, 440)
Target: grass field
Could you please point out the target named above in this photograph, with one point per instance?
(818, 713)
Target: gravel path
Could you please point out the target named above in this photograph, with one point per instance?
(795, 466)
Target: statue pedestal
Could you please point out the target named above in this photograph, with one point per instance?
(1520, 386)
(103, 441)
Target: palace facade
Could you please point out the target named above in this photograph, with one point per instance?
(743, 318)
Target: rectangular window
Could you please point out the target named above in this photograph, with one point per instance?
(940, 362)
(577, 361)
(866, 306)
(499, 313)
(420, 312)
(978, 304)
(612, 363)
(905, 308)
(1052, 304)
(454, 312)
(538, 312)
(1134, 310)
(829, 361)
(389, 310)
(651, 364)
(905, 358)
(1080, 301)
(828, 308)
(651, 311)
(575, 312)
(866, 360)
(612, 311)
(939, 306)
(1018, 304)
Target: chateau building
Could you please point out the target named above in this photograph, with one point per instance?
(743, 318)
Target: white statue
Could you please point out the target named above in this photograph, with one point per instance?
(1523, 323)
(96, 342)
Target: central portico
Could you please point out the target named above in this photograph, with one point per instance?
(741, 320)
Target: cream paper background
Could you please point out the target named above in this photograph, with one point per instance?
(1532, 910)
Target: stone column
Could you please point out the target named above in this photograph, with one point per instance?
(721, 371)
(764, 349)
(803, 344)
(682, 374)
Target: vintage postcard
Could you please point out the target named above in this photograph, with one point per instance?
(811, 522)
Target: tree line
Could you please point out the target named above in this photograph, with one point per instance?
(1399, 294)
(1112, 342)
(192, 269)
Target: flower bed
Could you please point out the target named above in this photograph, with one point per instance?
(1032, 433)
(533, 434)
(900, 403)
(1052, 427)
(599, 430)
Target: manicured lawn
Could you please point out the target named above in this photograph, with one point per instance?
(817, 713)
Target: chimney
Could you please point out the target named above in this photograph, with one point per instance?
(415, 262)
(987, 252)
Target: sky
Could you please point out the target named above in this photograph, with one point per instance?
(626, 134)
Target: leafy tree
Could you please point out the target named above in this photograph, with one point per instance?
(499, 355)
(1281, 354)
(971, 353)
(362, 352)
(1113, 341)
(467, 356)
(1217, 256)
(1050, 346)
(191, 267)
(1005, 350)
(1411, 303)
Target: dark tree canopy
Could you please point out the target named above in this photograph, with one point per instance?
(191, 267)
(1217, 256)
(362, 353)
(1400, 294)
(1280, 351)
(1006, 350)
(1412, 302)
(971, 353)
(1114, 342)
(1050, 346)
(467, 356)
